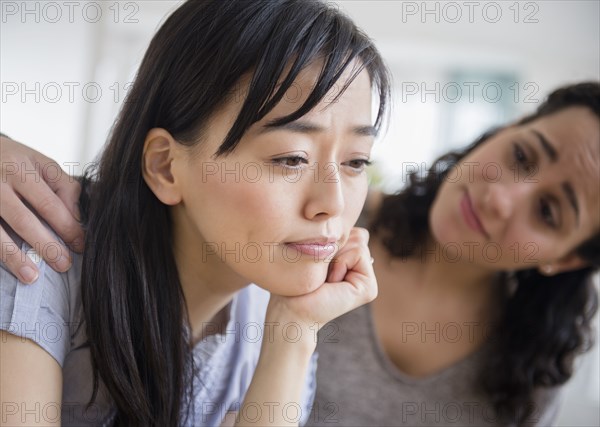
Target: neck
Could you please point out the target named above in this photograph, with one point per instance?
(208, 283)
(438, 274)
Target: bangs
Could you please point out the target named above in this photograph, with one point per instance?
(329, 37)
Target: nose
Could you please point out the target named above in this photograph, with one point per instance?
(326, 196)
(499, 201)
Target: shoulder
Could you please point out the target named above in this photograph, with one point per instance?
(47, 311)
(545, 406)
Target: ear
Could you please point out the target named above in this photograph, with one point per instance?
(160, 151)
(569, 262)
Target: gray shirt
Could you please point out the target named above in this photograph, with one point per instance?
(358, 385)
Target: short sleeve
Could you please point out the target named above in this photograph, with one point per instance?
(39, 311)
(310, 389)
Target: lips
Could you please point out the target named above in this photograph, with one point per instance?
(470, 216)
(319, 247)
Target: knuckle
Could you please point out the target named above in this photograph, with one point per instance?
(12, 259)
(19, 220)
(10, 253)
(362, 234)
(47, 205)
(371, 292)
(68, 229)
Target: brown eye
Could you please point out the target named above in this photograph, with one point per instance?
(358, 164)
(292, 162)
(521, 158)
(546, 213)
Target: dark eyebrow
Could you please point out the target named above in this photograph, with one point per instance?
(546, 146)
(549, 149)
(568, 189)
(299, 126)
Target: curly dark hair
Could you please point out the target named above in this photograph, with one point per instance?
(546, 322)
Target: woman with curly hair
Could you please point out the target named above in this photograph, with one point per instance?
(484, 266)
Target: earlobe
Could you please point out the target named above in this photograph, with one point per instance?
(567, 263)
(160, 150)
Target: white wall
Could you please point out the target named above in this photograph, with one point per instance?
(50, 45)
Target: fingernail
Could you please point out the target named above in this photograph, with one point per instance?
(28, 274)
(63, 263)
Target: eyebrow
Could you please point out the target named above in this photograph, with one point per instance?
(546, 146)
(568, 189)
(304, 127)
(552, 154)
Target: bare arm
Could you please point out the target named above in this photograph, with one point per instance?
(274, 395)
(31, 383)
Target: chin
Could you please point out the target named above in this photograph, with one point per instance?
(298, 280)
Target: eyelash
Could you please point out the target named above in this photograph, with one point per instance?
(281, 161)
(363, 164)
(546, 213)
(521, 158)
(544, 207)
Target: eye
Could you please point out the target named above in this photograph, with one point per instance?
(358, 165)
(521, 158)
(520, 155)
(291, 162)
(547, 214)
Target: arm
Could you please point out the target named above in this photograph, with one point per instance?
(278, 380)
(282, 366)
(31, 386)
(32, 178)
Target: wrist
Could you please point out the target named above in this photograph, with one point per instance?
(285, 328)
(289, 337)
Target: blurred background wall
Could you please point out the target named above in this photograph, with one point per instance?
(458, 67)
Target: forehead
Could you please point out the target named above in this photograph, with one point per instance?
(349, 92)
(575, 135)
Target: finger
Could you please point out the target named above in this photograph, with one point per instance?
(357, 261)
(65, 186)
(358, 238)
(362, 272)
(15, 260)
(18, 216)
(51, 208)
(337, 271)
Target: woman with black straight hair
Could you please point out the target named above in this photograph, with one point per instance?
(485, 264)
(212, 179)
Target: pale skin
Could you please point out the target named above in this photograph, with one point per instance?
(437, 289)
(272, 211)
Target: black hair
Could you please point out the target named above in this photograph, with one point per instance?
(134, 306)
(547, 321)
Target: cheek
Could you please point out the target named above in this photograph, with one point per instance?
(528, 247)
(442, 221)
(355, 195)
(244, 211)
